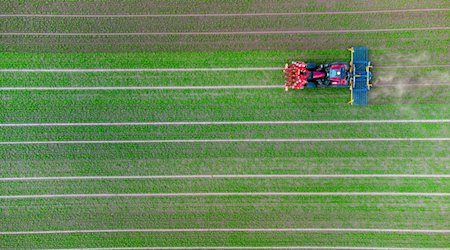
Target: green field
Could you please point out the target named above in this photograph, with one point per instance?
(193, 194)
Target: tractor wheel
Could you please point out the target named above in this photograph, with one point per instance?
(311, 66)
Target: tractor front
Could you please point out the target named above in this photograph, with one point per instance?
(300, 74)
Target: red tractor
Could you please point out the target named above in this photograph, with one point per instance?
(300, 74)
(355, 75)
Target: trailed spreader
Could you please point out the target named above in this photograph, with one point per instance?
(356, 75)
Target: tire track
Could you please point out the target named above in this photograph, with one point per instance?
(229, 230)
(220, 194)
(146, 87)
(410, 84)
(410, 66)
(138, 70)
(189, 87)
(259, 247)
(222, 123)
(223, 141)
(227, 176)
(227, 14)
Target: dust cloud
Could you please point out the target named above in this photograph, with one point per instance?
(398, 84)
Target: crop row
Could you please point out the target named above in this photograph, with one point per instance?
(225, 212)
(413, 130)
(221, 151)
(106, 163)
(221, 239)
(415, 185)
(215, 24)
(222, 104)
(216, 59)
(214, 6)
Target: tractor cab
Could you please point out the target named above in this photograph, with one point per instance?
(338, 74)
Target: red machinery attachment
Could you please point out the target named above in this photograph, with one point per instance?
(296, 75)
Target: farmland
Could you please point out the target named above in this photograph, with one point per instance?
(164, 124)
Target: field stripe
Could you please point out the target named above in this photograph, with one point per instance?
(410, 84)
(226, 176)
(411, 66)
(228, 14)
(187, 87)
(147, 87)
(139, 70)
(231, 230)
(219, 194)
(195, 33)
(223, 140)
(105, 70)
(259, 247)
(221, 123)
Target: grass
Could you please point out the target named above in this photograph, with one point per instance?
(413, 130)
(163, 59)
(208, 78)
(374, 40)
(379, 157)
(228, 239)
(217, 105)
(226, 158)
(19, 162)
(227, 212)
(214, 6)
(215, 59)
(242, 23)
(424, 185)
(189, 151)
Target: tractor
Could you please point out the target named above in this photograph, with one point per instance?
(355, 75)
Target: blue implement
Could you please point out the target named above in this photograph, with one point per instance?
(360, 76)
